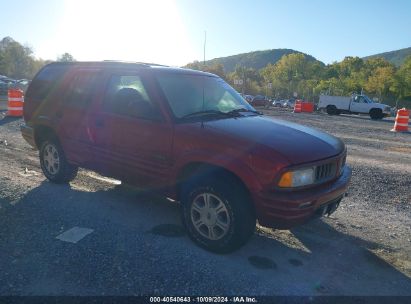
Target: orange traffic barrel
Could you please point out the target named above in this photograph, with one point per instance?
(15, 103)
(307, 107)
(298, 106)
(401, 120)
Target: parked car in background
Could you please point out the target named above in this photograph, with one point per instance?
(22, 84)
(248, 98)
(8, 81)
(5, 84)
(289, 103)
(3, 88)
(260, 101)
(277, 103)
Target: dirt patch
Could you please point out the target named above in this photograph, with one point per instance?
(400, 149)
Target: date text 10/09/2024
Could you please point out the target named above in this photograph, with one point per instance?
(203, 300)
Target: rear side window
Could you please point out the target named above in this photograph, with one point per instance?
(46, 81)
(126, 95)
(82, 89)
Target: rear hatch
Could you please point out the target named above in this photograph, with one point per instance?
(46, 81)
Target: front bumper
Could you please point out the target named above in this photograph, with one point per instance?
(387, 113)
(286, 209)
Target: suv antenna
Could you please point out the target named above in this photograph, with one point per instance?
(205, 41)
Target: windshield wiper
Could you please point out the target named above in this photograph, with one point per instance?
(244, 110)
(232, 113)
(206, 112)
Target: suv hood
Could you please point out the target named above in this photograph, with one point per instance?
(297, 143)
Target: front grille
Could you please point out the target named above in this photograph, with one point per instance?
(325, 172)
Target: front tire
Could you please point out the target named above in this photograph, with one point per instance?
(54, 164)
(217, 213)
(376, 114)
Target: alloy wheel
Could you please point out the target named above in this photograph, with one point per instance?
(51, 159)
(210, 216)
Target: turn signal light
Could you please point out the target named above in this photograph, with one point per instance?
(286, 180)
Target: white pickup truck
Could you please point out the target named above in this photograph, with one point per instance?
(356, 104)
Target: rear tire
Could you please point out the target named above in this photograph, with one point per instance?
(54, 163)
(217, 213)
(331, 110)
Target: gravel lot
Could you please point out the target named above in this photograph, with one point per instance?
(138, 247)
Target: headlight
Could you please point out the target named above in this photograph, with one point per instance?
(297, 178)
(387, 109)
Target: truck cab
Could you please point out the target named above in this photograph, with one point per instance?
(360, 104)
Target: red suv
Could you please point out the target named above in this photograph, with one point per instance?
(189, 135)
(260, 101)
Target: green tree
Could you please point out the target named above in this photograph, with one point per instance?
(292, 74)
(349, 66)
(381, 81)
(66, 57)
(196, 65)
(299, 73)
(251, 80)
(401, 84)
(215, 68)
(16, 60)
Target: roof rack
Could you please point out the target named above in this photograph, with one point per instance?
(143, 63)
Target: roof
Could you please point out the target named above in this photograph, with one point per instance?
(133, 65)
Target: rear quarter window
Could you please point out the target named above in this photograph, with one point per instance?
(46, 81)
(82, 89)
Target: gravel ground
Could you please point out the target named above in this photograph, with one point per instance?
(139, 247)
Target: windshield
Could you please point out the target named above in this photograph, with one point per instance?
(367, 99)
(189, 94)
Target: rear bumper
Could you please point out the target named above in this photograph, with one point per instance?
(28, 135)
(284, 210)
